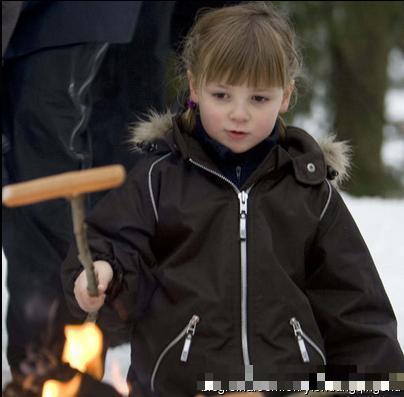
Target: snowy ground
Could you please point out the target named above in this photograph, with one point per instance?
(381, 223)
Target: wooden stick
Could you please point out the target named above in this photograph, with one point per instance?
(72, 186)
(80, 233)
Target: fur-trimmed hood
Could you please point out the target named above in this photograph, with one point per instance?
(337, 154)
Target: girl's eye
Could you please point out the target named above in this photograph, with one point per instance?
(260, 99)
(220, 95)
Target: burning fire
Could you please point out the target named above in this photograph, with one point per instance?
(82, 351)
(53, 388)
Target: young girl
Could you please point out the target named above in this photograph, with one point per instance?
(228, 252)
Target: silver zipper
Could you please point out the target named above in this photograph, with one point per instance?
(297, 329)
(188, 340)
(189, 332)
(243, 197)
(215, 173)
(301, 337)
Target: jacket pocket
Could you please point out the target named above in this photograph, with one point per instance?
(188, 332)
(302, 338)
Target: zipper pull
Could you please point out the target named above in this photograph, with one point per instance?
(243, 197)
(297, 329)
(190, 332)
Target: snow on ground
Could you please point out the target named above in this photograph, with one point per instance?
(381, 223)
(4, 366)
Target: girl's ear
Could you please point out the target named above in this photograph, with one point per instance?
(287, 94)
(192, 90)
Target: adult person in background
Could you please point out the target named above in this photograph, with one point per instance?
(10, 11)
(131, 80)
(50, 86)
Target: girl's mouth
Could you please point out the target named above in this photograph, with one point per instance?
(236, 134)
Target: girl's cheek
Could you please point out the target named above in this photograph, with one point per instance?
(211, 116)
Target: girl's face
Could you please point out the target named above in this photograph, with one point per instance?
(239, 117)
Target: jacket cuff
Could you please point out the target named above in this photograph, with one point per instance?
(115, 285)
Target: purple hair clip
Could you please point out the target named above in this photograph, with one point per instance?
(191, 104)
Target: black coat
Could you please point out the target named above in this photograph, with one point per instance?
(43, 24)
(283, 281)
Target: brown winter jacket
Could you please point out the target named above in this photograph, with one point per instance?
(215, 279)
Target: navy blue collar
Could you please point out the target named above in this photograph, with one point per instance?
(237, 167)
(221, 153)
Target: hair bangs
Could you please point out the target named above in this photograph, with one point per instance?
(244, 55)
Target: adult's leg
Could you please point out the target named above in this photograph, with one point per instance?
(47, 102)
(132, 80)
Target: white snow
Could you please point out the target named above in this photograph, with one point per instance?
(4, 366)
(394, 103)
(381, 223)
(395, 67)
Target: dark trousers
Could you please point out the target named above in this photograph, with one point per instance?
(46, 100)
(63, 111)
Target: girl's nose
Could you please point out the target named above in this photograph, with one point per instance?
(239, 113)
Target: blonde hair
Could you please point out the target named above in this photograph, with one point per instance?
(246, 43)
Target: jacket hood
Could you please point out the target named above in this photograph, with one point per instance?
(337, 154)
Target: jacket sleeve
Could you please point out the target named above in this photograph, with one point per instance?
(120, 230)
(348, 298)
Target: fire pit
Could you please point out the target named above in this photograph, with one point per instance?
(78, 374)
(65, 382)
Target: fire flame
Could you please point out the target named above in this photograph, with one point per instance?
(53, 388)
(82, 351)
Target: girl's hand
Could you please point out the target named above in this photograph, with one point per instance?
(104, 273)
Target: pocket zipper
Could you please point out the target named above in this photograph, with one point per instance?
(189, 331)
(301, 337)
